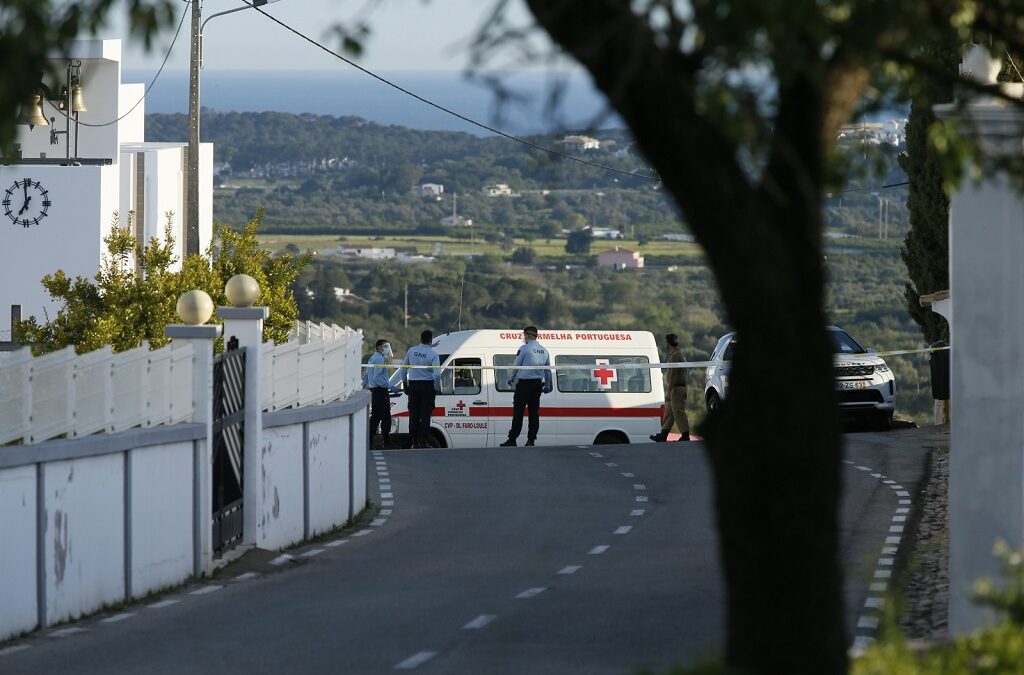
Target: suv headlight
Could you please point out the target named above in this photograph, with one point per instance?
(881, 368)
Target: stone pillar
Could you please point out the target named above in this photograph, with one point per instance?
(201, 337)
(986, 247)
(246, 324)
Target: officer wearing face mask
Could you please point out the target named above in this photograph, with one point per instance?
(376, 378)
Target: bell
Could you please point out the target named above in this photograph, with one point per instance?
(32, 112)
(77, 99)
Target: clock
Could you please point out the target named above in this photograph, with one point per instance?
(26, 202)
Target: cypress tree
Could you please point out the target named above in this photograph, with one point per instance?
(925, 250)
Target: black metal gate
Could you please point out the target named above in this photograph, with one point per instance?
(228, 420)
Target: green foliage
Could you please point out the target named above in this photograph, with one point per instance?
(134, 294)
(926, 248)
(579, 242)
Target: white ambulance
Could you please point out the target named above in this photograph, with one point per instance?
(600, 394)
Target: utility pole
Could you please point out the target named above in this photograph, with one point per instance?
(405, 313)
(192, 185)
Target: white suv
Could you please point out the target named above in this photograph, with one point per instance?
(865, 385)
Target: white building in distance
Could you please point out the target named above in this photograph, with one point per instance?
(59, 198)
(579, 143)
(620, 258)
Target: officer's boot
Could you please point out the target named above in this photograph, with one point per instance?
(659, 437)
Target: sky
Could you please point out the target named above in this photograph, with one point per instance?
(406, 35)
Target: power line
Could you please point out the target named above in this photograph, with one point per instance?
(871, 189)
(448, 110)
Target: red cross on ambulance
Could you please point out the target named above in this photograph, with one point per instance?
(604, 375)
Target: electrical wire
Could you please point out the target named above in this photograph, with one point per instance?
(181, 23)
(449, 111)
(871, 189)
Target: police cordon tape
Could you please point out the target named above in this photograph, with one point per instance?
(630, 366)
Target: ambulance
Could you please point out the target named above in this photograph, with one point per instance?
(604, 390)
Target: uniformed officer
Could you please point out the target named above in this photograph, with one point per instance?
(529, 384)
(421, 384)
(376, 379)
(675, 395)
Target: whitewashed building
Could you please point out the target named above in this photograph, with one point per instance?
(429, 190)
(579, 143)
(620, 258)
(59, 198)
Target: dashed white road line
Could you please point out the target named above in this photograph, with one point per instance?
(246, 576)
(281, 559)
(569, 569)
(637, 512)
(314, 552)
(65, 632)
(385, 512)
(639, 486)
(336, 543)
(624, 529)
(206, 589)
(117, 618)
(531, 593)
(377, 522)
(628, 474)
(596, 454)
(361, 533)
(388, 502)
(611, 464)
(598, 550)
(164, 603)
(387, 495)
(479, 622)
(416, 660)
(641, 498)
(14, 649)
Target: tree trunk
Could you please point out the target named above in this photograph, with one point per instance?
(774, 445)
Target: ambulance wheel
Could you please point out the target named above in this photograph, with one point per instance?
(611, 438)
(436, 440)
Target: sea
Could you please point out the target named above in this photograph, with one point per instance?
(354, 93)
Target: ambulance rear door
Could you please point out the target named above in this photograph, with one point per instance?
(464, 400)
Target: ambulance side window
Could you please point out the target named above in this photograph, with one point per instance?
(502, 372)
(459, 380)
(602, 374)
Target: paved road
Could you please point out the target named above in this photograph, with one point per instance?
(548, 560)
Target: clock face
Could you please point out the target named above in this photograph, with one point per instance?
(26, 202)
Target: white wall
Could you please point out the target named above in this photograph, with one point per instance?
(986, 486)
(132, 111)
(161, 516)
(70, 237)
(83, 539)
(359, 459)
(18, 553)
(281, 485)
(328, 474)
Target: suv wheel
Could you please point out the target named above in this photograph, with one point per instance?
(713, 401)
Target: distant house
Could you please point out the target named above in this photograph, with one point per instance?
(346, 295)
(579, 143)
(429, 190)
(497, 190)
(620, 258)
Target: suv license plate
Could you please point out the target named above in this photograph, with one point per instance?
(861, 384)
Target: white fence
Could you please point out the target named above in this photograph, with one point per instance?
(319, 365)
(71, 395)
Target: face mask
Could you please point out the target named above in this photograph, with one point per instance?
(386, 350)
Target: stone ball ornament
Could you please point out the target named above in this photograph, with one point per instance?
(242, 290)
(195, 307)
